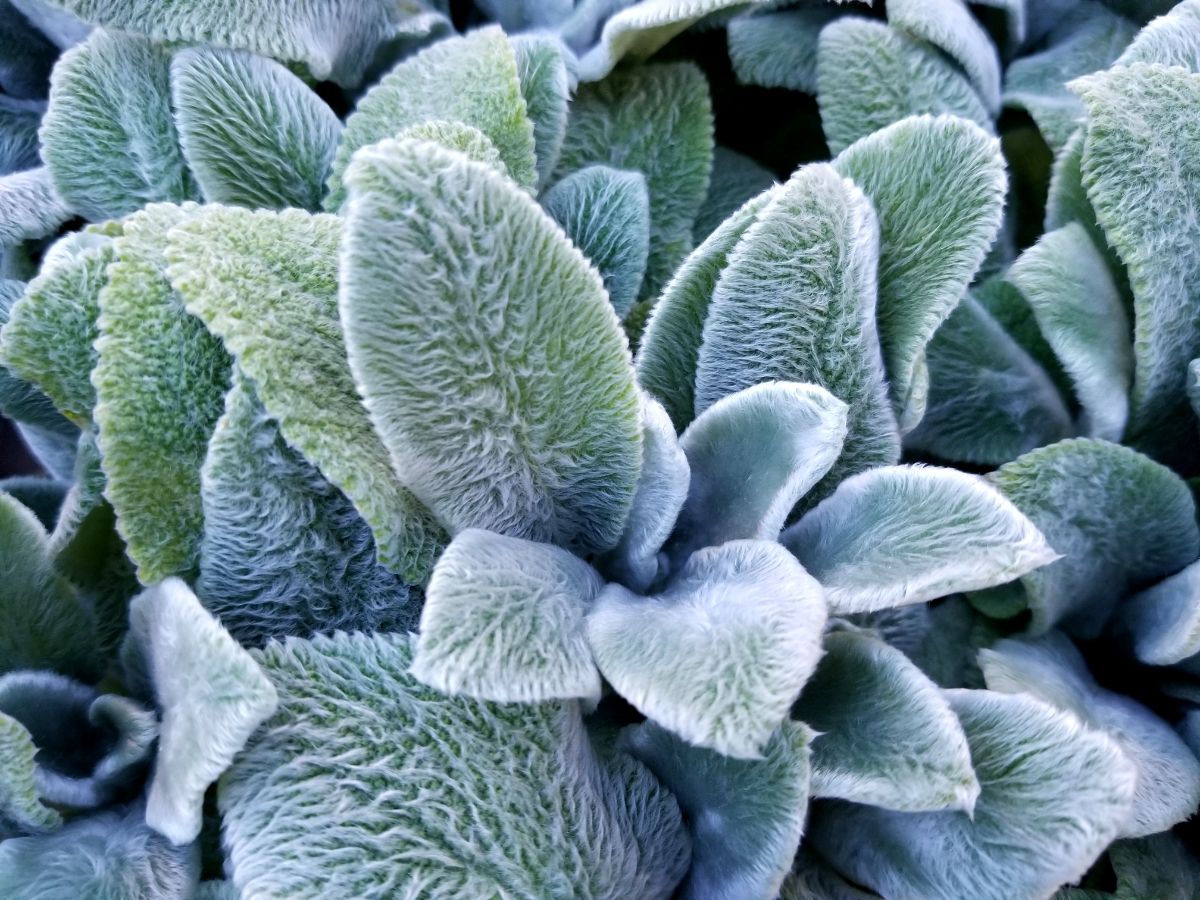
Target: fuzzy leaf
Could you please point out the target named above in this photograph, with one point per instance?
(606, 213)
(252, 132)
(949, 26)
(30, 207)
(472, 79)
(753, 455)
(504, 621)
(41, 496)
(1118, 519)
(656, 120)
(108, 137)
(1164, 621)
(60, 26)
(1053, 795)
(778, 49)
(19, 121)
(1169, 40)
(25, 55)
(42, 427)
(721, 653)
(546, 86)
(735, 180)
(1167, 788)
(937, 186)
(212, 695)
(871, 75)
(507, 404)
(20, 807)
(465, 139)
(159, 381)
(885, 734)
(909, 534)
(466, 799)
(745, 816)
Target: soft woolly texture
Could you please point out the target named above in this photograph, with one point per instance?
(752, 456)
(504, 621)
(160, 381)
(111, 855)
(211, 693)
(108, 137)
(885, 735)
(909, 534)
(366, 783)
(745, 816)
(21, 810)
(30, 207)
(61, 27)
(472, 79)
(779, 49)
(735, 179)
(1079, 310)
(949, 26)
(1164, 621)
(19, 121)
(1142, 177)
(721, 653)
(458, 136)
(1167, 788)
(941, 639)
(606, 213)
(656, 120)
(284, 551)
(1053, 795)
(1119, 520)
(937, 185)
(670, 347)
(1159, 866)
(41, 425)
(989, 401)
(491, 363)
(267, 284)
(1170, 40)
(1008, 306)
(252, 133)
(25, 56)
(796, 302)
(546, 86)
(870, 75)
(42, 496)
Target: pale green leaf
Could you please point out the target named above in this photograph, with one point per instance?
(20, 807)
(779, 49)
(949, 26)
(735, 180)
(41, 496)
(546, 86)
(465, 139)
(1170, 40)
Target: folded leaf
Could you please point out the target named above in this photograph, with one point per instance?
(949, 26)
(508, 403)
(546, 86)
(735, 179)
(778, 49)
(108, 137)
(871, 75)
(721, 653)
(745, 816)
(21, 809)
(465, 798)
(1167, 788)
(606, 213)
(937, 186)
(212, 696)
(656, 120)
(1169, 40)
(30, 207)
(472, 79)
(885, 734)
(909, 534)
(252, 132)
(753, 455)
(1118, 519)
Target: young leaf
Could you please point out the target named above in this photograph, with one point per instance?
(885, 734)
(212, 696)
(21, 809)
(108, 137)
(546, 86)
(252, 132)
(871, 75)
(909, 534)
(606, 213)
(937, 186)
(735, 180)
(266, 283)
(30, 207)
(472, 79)
(949, 26)
(1053, 795)
(1118, 520)
(504, 621)
(466, 798)
(720, 654)
(1167, 788)
(508, 403)
(745, 816)
(778, 49)
(656, 120)
(752, 456)
(1170, 40)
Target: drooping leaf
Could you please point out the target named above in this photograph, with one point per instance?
(937, 186)
(211, 693)
(871, 75)
(949, 26)
(546, 86)
(735, 180)
(1169, 40)
(656, 120)
(885, 734)
(466, 798)
(606, 214)
(721, 653)
(1118, 519)
(778, 49)
(108, 137)
(1167, 787)
(472, 79)
(252, 132)
(745, 816)
(21, 809)
(507, 404)
(1164, 621)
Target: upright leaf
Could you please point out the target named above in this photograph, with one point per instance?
(546, 86)
(949, 26)
(1169, 40)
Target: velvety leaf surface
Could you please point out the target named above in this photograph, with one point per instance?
(1170, 40)
(778, 49)
(19, 121)
(465, 139)
(1164, 621)
(546, 86)
(735, 179)
(30, 207)
(21, 810)
(949, 26)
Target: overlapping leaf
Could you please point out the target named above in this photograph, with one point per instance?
(949, 25)
(778, 49)
(546, 86)
(735, 179)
